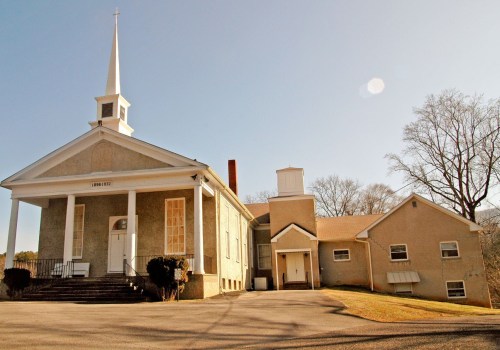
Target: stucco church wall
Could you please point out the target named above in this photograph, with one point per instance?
(52, 223)
(103, 156)
(298, 211)
(295, 240)
(150, 208)
(422, 228)
(352, 272)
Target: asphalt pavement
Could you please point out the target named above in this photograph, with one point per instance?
(258, 320)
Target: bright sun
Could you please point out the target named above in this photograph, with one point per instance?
(375, 86)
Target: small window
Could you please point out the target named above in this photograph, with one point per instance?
(120, 224)
(122, 113)
(107, 110)
(223, 283)
(399, 252)
(449, 249)
(456, 289)
(264, 256)
(341, 255)
(403, 288)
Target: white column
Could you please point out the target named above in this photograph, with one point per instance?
(199, 265)
(68, 232)
(131, 234)
(11, 240)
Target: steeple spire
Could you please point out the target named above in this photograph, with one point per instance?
(113, 85)
(112, 108)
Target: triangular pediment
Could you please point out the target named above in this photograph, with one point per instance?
(294, 228)
(102, 150)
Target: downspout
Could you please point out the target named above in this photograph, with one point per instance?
(369, 261)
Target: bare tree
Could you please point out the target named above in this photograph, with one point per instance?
(377, 199)
(336, 196)
(490, 244)
(260, 197)
(452, 150)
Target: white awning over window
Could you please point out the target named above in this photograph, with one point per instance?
(402, 277)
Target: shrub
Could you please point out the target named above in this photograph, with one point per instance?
(161, 272)
(16, 280)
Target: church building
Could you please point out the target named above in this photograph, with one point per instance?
(110, 203)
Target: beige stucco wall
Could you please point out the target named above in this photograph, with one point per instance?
(150, 209)
(293, 211)
(352, 272)
(422, 228)
(104, 156)
(294, 240)
(233, 271)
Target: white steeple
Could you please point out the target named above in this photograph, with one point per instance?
(112, 109)
(113, 85)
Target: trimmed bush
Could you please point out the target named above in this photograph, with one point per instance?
(16, 280)
(161, 272)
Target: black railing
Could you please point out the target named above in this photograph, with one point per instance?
(44, 272)
(46, 268)
(137, 280)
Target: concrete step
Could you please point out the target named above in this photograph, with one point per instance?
(106, 289)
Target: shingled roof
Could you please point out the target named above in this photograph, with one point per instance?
(343, 228)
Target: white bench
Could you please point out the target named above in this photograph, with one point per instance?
(79, 269)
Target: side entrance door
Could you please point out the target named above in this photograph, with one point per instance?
(295, 267)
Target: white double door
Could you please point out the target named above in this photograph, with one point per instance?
(295, 267)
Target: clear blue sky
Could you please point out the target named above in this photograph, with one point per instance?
(269, 83)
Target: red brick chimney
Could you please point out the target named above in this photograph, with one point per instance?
(233, 175)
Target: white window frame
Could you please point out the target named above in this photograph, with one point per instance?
(228, 235)
(75, 229)
(443, 250)
(270, 257)
(448, 290)
(406, 251)
(166, 225)
(237, 236)
(342, 260)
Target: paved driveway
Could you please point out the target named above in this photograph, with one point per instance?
(285, 319)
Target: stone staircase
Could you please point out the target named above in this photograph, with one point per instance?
(109, 289)
(296, 285)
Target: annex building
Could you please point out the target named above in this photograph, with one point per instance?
(111, 202)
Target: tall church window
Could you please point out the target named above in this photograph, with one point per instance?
(175, 237)
(78, 231)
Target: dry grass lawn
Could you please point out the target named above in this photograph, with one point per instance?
(387, 308)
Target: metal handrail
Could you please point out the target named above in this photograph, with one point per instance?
(45, 268)
(137, 279)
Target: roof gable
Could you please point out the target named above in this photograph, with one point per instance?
(102, 150)
(473, 227)
(296, 228)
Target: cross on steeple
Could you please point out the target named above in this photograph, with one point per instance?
(116, 14)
